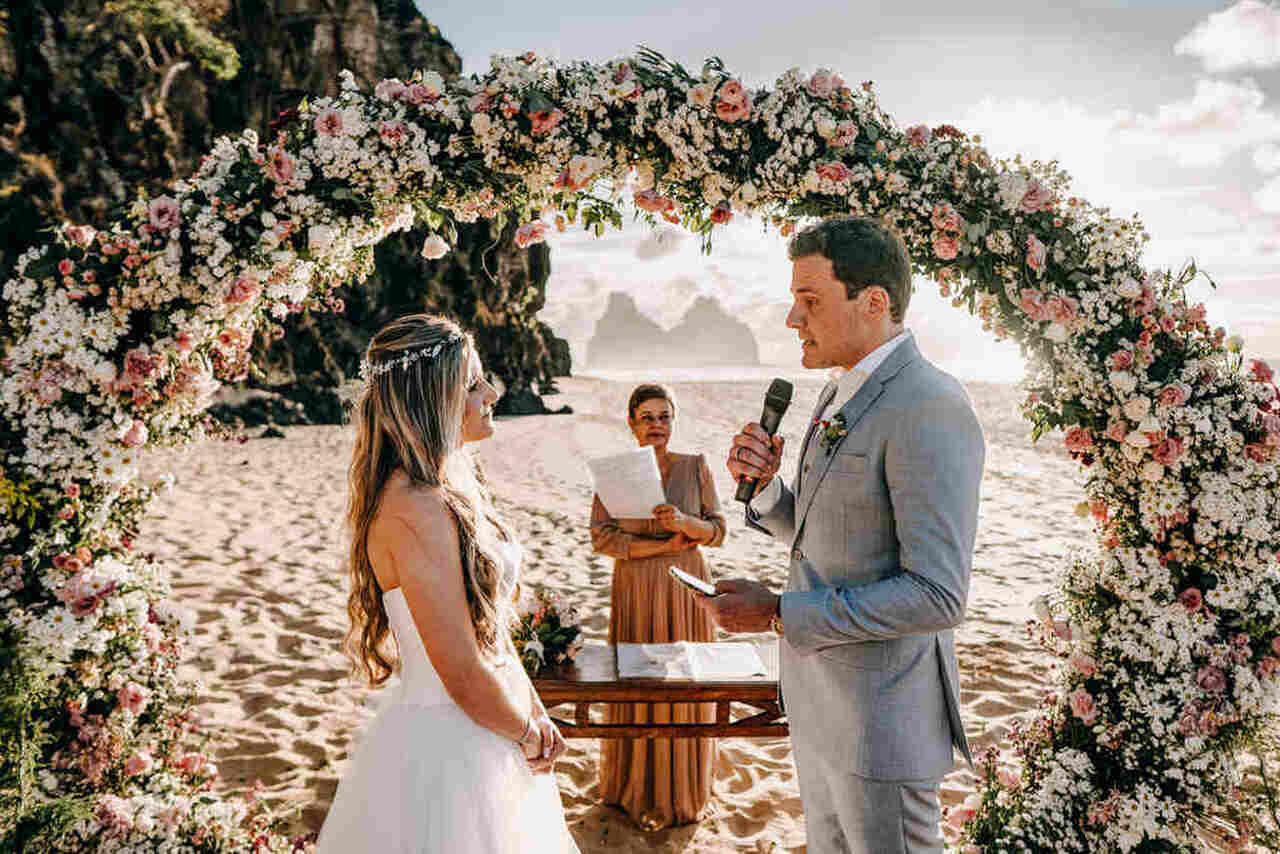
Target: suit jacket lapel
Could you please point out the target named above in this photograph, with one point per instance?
(853, 410)
(824, 400)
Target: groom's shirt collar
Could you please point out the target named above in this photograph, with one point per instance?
(852, 379)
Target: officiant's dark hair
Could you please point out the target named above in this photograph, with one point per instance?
(864, 252)
(647, 392)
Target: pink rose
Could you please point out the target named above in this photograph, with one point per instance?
(1271, 423)
(946, 218)
(531, 233)
(1269, 666)
(67, 512)
(418, 94)
(919, 135)
(1084, 664)
(194, 764)
(137, 763)
(480, 102)
(1168, 323)
(1211, 679)
(1032, 303)
(1038, 197)
(163, 213)
(243, 289)
(1261, 371)
(544, 121)
(652, 201)
(1168, 451)
(833, 170)
(732, 91)
(1175, 394)
(1121, 360)
(722, 214)
(136, 435)
(1275, 644)
(1258, 452)
(1191, 599)
(133, 697)
(1062, 309)
(945, 246)
(81, 235)
(66, 266)
(846, 135)
(183, 342)
(731, 111)
(1009, 778)
(72, 490)
(392, 133)
(329, 123)
(1078, 439)
(821, 84)
(1036, 252)
(1062, 629)
(1083, 705)
(279, 166)
(389, 89)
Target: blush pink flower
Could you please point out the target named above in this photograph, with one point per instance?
(722, 214)
(919, 135)
(1031, 302)
(1009, 778)
(1258, 452)
(1191, 599)
(163, 213)
(833, 170)
(821, 84)
(1083, 664)
(945, 246)
(279, 166)
(1175, 394)
(946, 218)
(1078, 439)
(136, 435)
(133, 697)
(66, 266)
(392, 133)
(1121, 360)
(389, 89)
(845, 136)
(1083, 705)
(1261, 371)
(81, 235)
(733, 104)
(137, 763)
(652, 201)
(1037, 198)
(183, 342)
(194, 764)
(1168, 451)
(418, 94)
(544, 121)
(1168, 323)
(1211, 679)
(1036, 252)
(531, 233)
(243, 289)
(328, 123)
(1269, 666)
(480, 102)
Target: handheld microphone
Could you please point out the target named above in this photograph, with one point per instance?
(776, 401)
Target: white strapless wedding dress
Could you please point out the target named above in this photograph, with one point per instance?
(426, 779)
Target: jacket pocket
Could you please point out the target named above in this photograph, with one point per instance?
(849, 464)
(867, 655)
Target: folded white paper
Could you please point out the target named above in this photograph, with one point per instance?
(703, 662)
(629, 485)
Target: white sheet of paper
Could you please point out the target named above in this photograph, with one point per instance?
(706, 662)
(629, 485)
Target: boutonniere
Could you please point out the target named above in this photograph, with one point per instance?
(831, 432)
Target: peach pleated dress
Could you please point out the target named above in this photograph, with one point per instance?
(659, 782)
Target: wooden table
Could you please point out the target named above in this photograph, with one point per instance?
(593, 679)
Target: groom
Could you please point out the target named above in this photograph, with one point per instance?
(881, 522)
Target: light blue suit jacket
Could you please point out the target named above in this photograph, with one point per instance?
(881, 531)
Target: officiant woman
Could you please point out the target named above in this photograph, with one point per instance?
(659, 782)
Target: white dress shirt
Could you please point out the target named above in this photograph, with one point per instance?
(846, 387)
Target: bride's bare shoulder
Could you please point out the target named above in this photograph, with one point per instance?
(409, 508)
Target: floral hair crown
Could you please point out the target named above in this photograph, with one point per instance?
(369, 371)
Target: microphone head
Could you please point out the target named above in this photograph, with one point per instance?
(779, 395)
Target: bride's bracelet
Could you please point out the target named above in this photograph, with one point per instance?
(528, 728)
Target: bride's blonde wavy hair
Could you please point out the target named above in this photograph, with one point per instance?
(410, 418)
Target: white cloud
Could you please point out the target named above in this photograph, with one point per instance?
(1267, 158)
(1220, 119)
(1268, 197)
(1243, 36)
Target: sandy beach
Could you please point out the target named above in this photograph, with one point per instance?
(252, 533)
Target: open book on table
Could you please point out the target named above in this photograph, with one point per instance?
(703, 662)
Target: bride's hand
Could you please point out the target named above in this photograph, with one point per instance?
(543, 753)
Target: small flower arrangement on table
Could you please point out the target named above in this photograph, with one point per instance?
(545, 631)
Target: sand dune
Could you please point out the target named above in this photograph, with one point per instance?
(253, 535)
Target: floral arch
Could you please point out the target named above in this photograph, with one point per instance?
(1168, 628)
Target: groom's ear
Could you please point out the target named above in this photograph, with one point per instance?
(875, 301)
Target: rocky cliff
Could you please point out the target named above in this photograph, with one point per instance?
(99, 102)
(706, 335)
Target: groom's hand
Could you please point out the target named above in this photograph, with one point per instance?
(755, 454)
(740, 605)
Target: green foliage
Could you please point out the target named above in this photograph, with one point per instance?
(177, 23)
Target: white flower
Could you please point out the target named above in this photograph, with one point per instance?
(1136, 409)
(320, 237)
(1152, 471)
(1137, 439)
(1123, 382)
(533, 645)
(1130, 288)
(481, 124)
(434, 247)
(1057, 333)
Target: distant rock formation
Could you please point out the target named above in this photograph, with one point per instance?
(706, 335)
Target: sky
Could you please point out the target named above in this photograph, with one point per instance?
(1166, 109)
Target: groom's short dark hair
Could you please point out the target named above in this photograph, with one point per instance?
(863, 252)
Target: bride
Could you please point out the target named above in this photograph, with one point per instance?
(460, 758)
